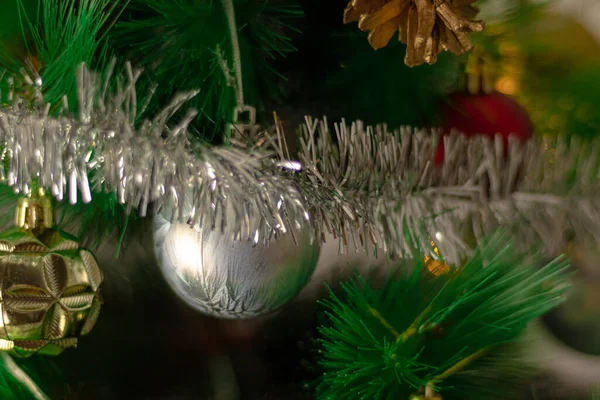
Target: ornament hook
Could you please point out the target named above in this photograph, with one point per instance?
(244, 124)
(35, 211)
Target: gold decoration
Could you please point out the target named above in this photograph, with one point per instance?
(480, 73)
(35, 213)
(426, 26)
(436, 267)
(48, 285)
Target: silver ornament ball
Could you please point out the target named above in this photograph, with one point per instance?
(232, 279)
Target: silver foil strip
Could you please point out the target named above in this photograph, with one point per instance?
(365, 185)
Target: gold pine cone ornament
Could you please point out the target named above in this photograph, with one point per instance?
(48, 284)
(426, 26)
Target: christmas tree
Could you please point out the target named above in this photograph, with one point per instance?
(279, 199)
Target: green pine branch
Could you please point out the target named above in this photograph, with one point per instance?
(186, 45)
(421, 331)
(57, 36)
(36, 378)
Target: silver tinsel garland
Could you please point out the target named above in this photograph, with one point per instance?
(363, 184)
(389, 185)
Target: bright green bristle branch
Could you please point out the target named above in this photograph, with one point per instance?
(425, 336)
(36, 378)
(187, 45)
(57, 36)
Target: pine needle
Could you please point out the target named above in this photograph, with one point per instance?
(185, 45)
(36, 378)
(64, 33)
(415, 331)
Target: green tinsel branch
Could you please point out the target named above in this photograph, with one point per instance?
(57, 36)
(186, 45)
(421, 334)
(30, 379)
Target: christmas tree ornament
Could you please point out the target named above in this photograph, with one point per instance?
(426, 26)
(482, 111)
(48, 286)
(232, 278)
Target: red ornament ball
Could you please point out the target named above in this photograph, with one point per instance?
(484, 114)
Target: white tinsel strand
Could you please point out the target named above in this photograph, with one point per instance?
(389, 181)
(149, 164)
(363, 184)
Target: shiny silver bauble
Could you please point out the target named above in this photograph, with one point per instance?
(232, 279)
